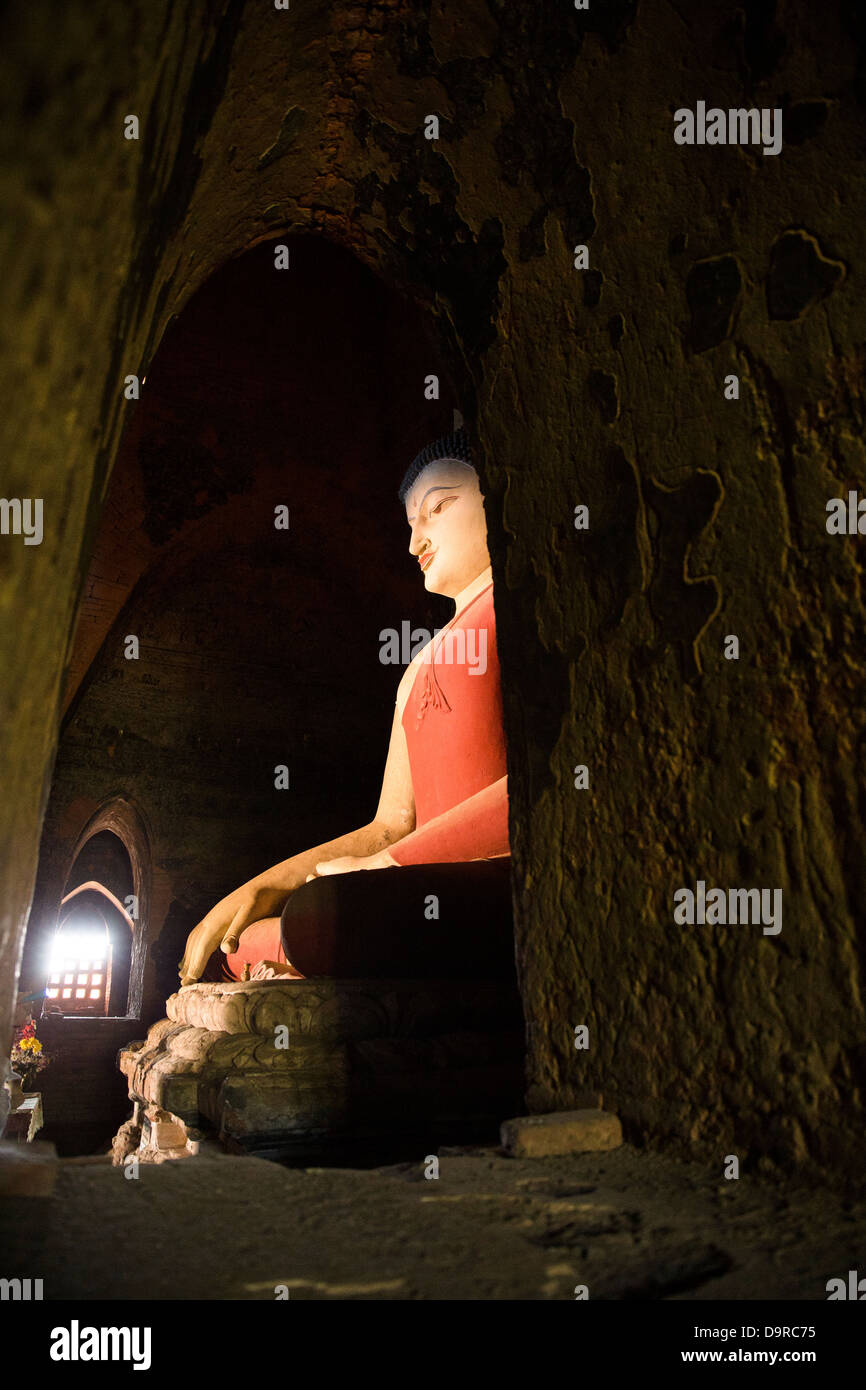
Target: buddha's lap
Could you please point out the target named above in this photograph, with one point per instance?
(361, 924)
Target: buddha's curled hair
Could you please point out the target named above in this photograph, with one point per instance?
(451, 446)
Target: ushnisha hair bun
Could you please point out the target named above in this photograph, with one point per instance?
(454, 446)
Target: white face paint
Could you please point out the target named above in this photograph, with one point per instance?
(445, 510)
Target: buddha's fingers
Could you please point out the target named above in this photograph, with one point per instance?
(237, 926)
(191, 967)
(185, 970)
(200, 945)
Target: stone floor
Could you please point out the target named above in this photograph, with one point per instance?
(627, 1224)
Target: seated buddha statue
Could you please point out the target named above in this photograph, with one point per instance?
(338, 908)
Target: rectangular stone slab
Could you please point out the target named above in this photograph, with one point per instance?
(563, 1132)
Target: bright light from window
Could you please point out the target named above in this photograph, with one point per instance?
(79, 965)
(76, 948)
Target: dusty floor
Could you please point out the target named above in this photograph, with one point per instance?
(629, 1225)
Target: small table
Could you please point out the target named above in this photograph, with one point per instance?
(25, 1122)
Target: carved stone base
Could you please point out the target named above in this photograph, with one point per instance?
(323, 1068)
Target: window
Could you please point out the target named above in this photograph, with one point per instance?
(79, 970)
(89, 979)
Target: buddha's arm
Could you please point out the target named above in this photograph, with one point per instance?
(476, 828)
(267, 894)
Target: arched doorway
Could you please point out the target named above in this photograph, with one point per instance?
(84, 960)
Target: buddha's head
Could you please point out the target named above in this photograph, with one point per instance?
(445, 510)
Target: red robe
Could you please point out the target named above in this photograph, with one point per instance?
(453, 726)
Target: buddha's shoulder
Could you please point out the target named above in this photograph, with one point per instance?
(486, 605)
(480, 612)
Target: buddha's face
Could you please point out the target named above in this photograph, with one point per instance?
(445, 510)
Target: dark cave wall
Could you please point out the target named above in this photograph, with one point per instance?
(707, 518)
(602, 387)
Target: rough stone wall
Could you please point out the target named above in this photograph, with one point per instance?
(707, 519)
(602, 387)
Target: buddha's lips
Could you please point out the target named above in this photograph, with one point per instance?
(426, 559)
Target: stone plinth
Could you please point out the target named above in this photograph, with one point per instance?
(317, 1067)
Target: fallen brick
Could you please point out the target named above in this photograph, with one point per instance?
(563, 1132)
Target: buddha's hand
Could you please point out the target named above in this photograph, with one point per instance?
(348, 863)
(224, 925)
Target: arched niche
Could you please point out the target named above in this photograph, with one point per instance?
(100, 886)
(311, 389)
